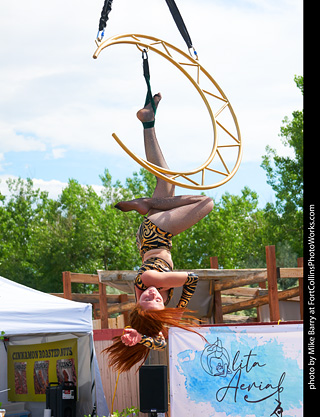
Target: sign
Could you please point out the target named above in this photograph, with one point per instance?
(243, 371)
(32, 367)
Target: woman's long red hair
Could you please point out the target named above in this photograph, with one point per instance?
(149, 323)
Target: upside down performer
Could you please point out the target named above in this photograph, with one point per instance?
(166, 215)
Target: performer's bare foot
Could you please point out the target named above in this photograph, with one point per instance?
(146, 114)
(140, 205)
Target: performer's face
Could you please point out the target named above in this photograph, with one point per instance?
(151, 299)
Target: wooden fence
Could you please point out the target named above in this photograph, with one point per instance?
(231, 286)
(229, 289)
(103, 304)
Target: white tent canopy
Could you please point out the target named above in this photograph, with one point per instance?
(25, 311)
(28, 316)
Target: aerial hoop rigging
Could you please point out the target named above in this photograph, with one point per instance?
(217, 164)
(174, 12)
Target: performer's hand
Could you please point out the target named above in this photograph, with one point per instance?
(130, 337)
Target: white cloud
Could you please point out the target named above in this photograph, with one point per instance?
(18, 141)
(55, 96)
(1, 160)
(58, 153)
(54, 187)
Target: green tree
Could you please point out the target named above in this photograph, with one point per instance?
(80, 231)
(285, 175)
(20, 214)
(85, 233)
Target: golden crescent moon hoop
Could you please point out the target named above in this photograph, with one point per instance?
(208, 90)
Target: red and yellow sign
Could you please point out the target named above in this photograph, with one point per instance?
(32, 367)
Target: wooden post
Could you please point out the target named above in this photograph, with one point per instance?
(217, 302)
(272, 283)
(103, 306)
(300, 264)
(66, 279)
(263, 286)
(95, 311)
(123, 299)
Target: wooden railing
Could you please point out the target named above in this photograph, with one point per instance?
(272, 296)
(227, 290)
(103, 304)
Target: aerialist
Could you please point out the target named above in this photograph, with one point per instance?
(167, 215)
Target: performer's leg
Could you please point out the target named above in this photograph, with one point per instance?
(145, 205)
(175, 215)
(181, 218)
(153, 151)
(172, 214)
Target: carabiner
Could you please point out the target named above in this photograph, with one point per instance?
(144, 51)
(194, 52)
(100, 35)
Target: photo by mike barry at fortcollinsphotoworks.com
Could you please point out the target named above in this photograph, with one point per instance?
(310, 296)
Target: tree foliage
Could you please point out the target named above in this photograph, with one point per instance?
(82, 232)
(285, 175)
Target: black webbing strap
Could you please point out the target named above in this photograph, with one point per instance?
(179, 22)
(104, 17)
(149, 97)
(173, 9)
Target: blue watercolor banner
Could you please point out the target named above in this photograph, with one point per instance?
(241, 371)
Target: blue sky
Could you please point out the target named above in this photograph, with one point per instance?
(59, 106)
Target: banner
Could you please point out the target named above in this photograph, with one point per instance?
(241, 371)
(32, 367)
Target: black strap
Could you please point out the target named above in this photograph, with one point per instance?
(146, 74)
(104, 17)
(149, 97)
(173, 9)
(179, 22)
